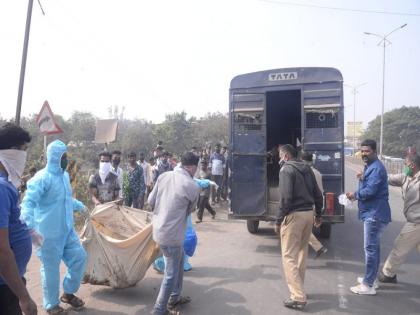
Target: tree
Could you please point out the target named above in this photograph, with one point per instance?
(175, 132)
(401, 129)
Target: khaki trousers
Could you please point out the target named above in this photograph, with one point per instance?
(407, 240)
(314, 243)
(295, 232)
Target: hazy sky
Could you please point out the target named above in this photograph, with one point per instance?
(156, 57)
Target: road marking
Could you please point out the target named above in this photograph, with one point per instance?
(341, 288)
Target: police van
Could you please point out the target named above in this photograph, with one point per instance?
(298, 106)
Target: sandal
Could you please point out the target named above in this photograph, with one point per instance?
(72, 300)
(181, 301)
(57, 310)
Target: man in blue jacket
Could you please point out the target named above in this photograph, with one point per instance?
(374, 211)
(48, 209)
(15, 239)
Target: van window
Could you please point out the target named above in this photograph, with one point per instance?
(321, 118)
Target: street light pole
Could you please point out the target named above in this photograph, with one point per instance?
(384, 41)
(354, 91)
(23, 64)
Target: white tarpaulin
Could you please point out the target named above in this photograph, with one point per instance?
(119, 244)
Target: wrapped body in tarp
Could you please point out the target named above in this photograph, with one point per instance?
(119, 244)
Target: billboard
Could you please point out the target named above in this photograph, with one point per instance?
(354, 127)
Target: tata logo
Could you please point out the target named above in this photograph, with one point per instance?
(282, 76)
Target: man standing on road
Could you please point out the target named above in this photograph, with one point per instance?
(203, 201)
(409, 237)
(217, 164)
(172, 199)
(15, 239)
(374, 211)
(136, 186)
(104, 185)
(48, 208)
(298, 195)
(148, 180)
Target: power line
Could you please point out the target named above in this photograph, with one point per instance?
(340, 9)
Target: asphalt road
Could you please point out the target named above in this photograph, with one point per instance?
(236, 273)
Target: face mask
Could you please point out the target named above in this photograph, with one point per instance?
(64, 163)
(116, 162)
(407, 171)
(14, 162)
(104, 169)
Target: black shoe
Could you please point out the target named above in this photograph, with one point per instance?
(198, 221)
(213, 216)
(323, 250)
(294, 304)
(385, 279)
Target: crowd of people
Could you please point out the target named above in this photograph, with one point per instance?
(132, 183)
(173, 190)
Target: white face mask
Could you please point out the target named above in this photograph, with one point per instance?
(104, 169)
(14, 162)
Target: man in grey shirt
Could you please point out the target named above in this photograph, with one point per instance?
(172, 199)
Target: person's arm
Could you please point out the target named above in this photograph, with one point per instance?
(117, 190)
(318, 197)
(141, 179)
(210, 162)
(396, 179)
(10, 274)
(8, 268)
(120, 182)
(78, 205)
(93, 190)
(193, 196)
(286, 194)
(35, 190)
(373, 182)
(151, 200)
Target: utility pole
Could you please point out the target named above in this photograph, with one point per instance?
(23, 64)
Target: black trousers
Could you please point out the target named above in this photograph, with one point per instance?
(9, 302)
(203, 202)
(215, 194)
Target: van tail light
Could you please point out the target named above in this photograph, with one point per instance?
(329, 196)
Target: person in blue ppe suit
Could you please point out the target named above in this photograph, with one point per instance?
(47, 209)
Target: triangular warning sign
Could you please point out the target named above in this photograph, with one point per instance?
(45, 121)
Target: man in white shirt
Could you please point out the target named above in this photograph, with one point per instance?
(217, 164)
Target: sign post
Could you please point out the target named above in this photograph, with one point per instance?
(47, 125)
(106, 131)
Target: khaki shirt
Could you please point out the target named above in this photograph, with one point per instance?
(410, 188)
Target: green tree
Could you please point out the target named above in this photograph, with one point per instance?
(401, 129)
(176, 132)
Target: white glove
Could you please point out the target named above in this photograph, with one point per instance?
(37, 239)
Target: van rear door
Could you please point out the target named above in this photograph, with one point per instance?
(248, 159)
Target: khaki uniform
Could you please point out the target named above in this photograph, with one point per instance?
(409, 237)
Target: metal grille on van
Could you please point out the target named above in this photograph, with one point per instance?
(247, 127)
(321, 120)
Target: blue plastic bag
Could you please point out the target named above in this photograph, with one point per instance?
(190, 241)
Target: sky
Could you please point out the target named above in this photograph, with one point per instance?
(161, 56)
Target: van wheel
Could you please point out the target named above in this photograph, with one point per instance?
(252, 226)
(325, 230)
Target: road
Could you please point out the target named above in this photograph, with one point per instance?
(236, 273)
